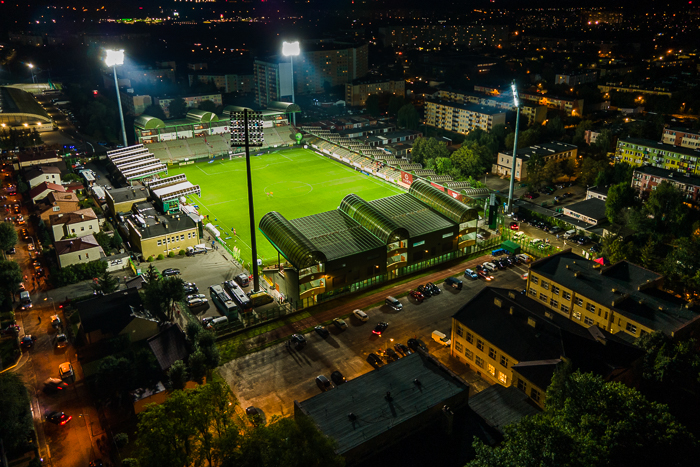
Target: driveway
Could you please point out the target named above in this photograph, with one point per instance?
(271, 379)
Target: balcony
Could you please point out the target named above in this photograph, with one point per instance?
(466, 241)
(395, 262)
(312, 288)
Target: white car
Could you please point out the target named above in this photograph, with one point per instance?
(535, 241)
(196, 302)
(195, 297)
(490, 267)
(361, 315)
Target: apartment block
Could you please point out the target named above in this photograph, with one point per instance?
(190, 101)
(462, 118)
(645, 179)
(571, 106)
(554, 150)
(577, 77)
(135, 104)
(225, 82)
(638, 152)
(682, 137)
(619, 87)
(533, 114)
(357, 92)
(623, 298)
(434, 35)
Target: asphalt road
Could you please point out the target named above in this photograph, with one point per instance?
(271, 379)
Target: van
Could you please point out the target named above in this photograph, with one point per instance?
(441, 338)
(25, 300)
(220, 321)
(393, 303)
(569, 233)
(454, 282)
(242, 280)
(260, 299)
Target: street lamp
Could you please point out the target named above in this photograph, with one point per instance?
(291, 49)
(114, 58)
(31, 69)
(516, 102)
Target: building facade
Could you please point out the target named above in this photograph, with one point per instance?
(357, 92)
(190, 101)
(577, 77)
(78, 250)
(462, 118)
(619, 87)
(78, 223)
(154, 234)
(429, 36)
(638, 152)
(225, 82)
(681, 137)
(59, 203)
(569, 105)
(533, 114)
(621, 298)
(42, 173)
(135, 104)
(645, 179)
(554, 150)
(122, 199)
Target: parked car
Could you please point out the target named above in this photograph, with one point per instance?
(340, 323)
(434, 289)
(65, 371)
(484, 275)
(298, 340)
(402, 349)
(532, 195)
(415, 344)
(12, 329)
(391, 354)
(323, 332)
(195, 297)
(568, 194)
(513, 226)
(61, 341)
(190, 288)
(380, 328)
(337, 378)
(195, 302)
(425, 291)
(361, 315)
(417, 296)
(323, 383)
(555, 230)
(471, 274)
(27, 341)
(490, 267)
(170, 272)
(53, 385)
(374, 360)
(55, 321)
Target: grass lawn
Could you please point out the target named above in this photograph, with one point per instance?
(301, 182)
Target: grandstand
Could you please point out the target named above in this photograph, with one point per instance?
(135, 163)
(169, 190)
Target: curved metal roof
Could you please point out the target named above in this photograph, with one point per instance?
(372, 219)
(146, 122)
(442, 202)
(202, 116)
(286, 107)
(235, 108)
(289, 241)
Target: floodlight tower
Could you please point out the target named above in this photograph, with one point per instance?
(31, 70)
(114, 58)
(516, 101)
(247, 131)
(291, 49)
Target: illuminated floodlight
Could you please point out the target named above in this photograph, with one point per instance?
(114, 57)
(290, 48)
(30, 65)
(516, 101)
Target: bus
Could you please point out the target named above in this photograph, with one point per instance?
(223, 302)
(238, 296)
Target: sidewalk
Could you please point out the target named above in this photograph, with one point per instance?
(346, 308)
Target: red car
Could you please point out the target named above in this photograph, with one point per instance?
(416, 295)
(514, 226)
(380, 328)
(484, 275)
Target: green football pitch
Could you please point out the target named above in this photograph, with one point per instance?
(293, 182)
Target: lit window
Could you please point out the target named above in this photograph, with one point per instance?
(502, 378)
(545, 285)
(492, 370)
(577, 315)
(631, 328)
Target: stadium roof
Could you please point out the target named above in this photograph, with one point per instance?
(18, 107)
(416, 383)
(442, 202)
(286, 107)
(146, 122)
(413, 215)
(367, 215)
(289, 241)
(202, 116)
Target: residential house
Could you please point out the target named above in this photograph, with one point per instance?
(155, 234)
(77, 223)
(116, 314)
(595, 192)
(514, 340)
(638, 152)
(58, 203)
(682, 137)
(357, 92)
(624, 299)
(554, 150)
(43, 189)
(78, 250)
(169, 346)
(30, 158)
(39, 174)
(645, 179)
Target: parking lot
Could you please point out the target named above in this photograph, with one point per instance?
(271, 379)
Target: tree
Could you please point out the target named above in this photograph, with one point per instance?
(647, 255)
(177, 375)
(590, 168)
(191, 331)
(472, 160)
(178, 108)
(428, 148)
(443, 165)
(114, 376)
(603, 143)
(665, 206)
(104, 240)
(197, 365)
(154, 110)
(116, 241)
(551, 171)
(206, 343)
(676, 363)
(395, 103)
(10, 277)
(615, 249)
(682, 264)
(71, 177)
(106, 283)
(535, 171)
(15, 408)
(22, 186)
(8, 236)
(620, 196)
(555, 128)
(372, 105)
(592, 423)
(151, 275)
(579, 138)
(408, 117)
(500, 132)
(172, 290)
(207, 105)
(568, 168)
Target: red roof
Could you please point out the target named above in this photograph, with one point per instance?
(42, 187)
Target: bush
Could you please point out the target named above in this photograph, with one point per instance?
(130, 462)
(171, 254)
(121, 440)
(151, 259)
(182, 253)
(77, 272)
(160, 256)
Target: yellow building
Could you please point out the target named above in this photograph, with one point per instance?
(156, 234)
(554, 150)
(462, 118)
(533, 114)
(513, 340)
(638, 152)
(122, 199)
(621, 298)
